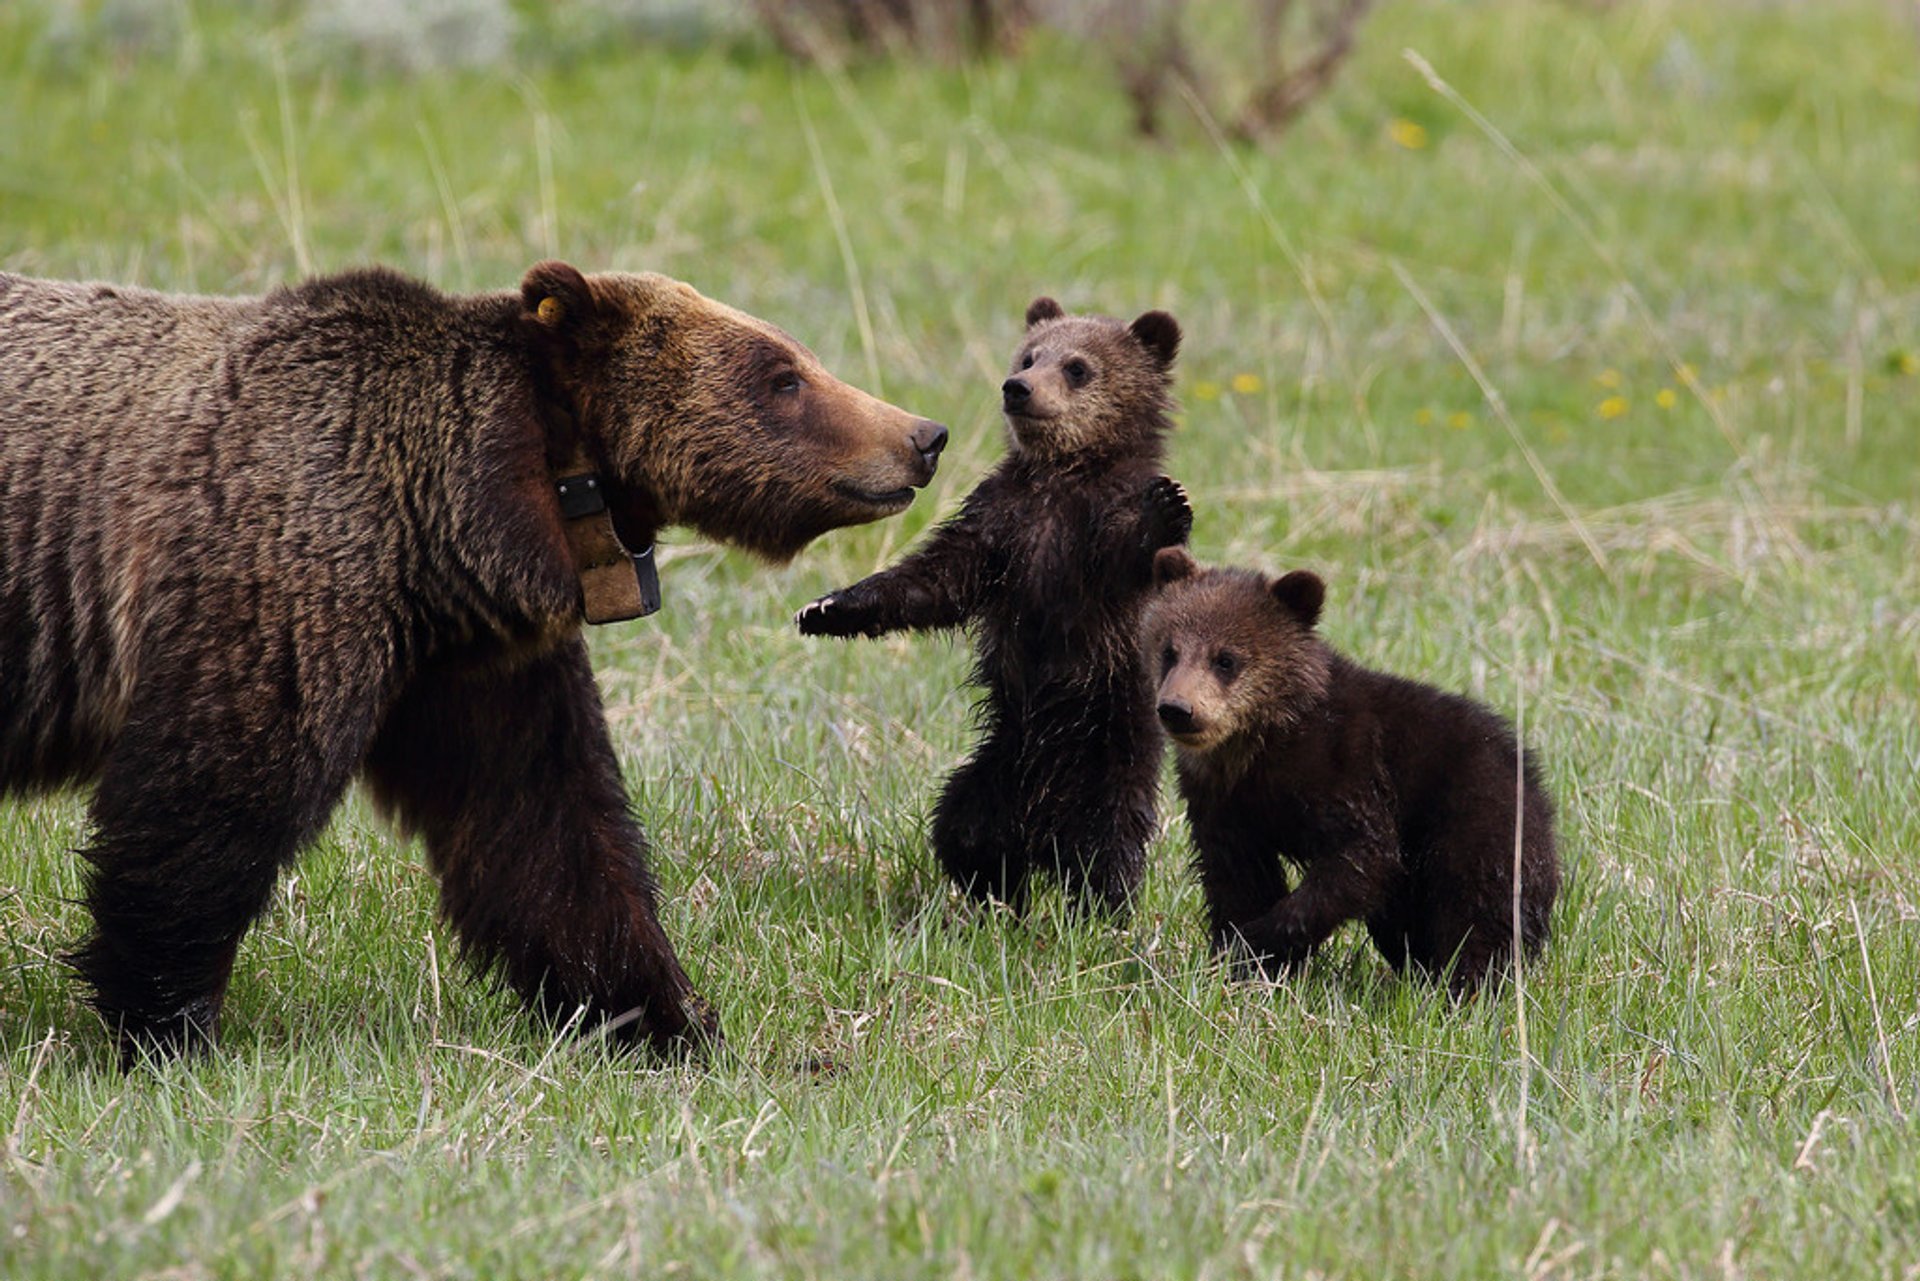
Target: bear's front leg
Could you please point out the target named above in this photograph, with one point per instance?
(936, 587)
(1166, 517)
(851, 611)
(510, 778)
(1240, 873)
(1341, 885)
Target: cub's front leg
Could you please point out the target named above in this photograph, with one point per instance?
(859, 610)
(1345, 883)
(936, 587)
(1166, 517)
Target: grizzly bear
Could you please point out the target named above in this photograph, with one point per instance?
(253, 549)
(1048, 563)
(1397, 801)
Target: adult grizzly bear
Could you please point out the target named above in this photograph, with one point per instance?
(1048, 565)
(254, 548)
(1397, 801)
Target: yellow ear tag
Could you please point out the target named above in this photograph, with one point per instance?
(550, 310)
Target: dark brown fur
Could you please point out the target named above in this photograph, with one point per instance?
(1048, 563)
(1394, 799)
(254, 548)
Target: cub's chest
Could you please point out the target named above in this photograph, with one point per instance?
(1044, 528)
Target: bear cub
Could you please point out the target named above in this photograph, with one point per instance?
(1395, 800)
(1049, 563)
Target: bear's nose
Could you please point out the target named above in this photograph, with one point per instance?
(1014, 393)
(930, 438)
(1176, 715)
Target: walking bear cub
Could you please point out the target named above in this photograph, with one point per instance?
(1395, 800)
(1049, 563)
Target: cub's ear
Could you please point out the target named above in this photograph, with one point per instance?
(1301, 594)
(1043, 308)
(556, 296)
(1171, 564)
(1159, 333)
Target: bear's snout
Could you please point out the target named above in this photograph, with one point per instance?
(1014, 394)
(1177, 715)
(929, 438)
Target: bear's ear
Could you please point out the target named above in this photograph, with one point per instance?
(1043, 309)
(1301, 594)
(1159, 333)
(556, 296)
(1171, 564)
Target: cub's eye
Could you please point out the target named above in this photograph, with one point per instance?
(786, 382)
(1167, 659)
(1026, 361)
(1078, 373)
(1226, 665)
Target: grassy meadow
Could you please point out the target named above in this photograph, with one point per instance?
(1586, 368)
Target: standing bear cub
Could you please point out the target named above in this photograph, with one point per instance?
(1396, 801)
(252, 549)
(1049, 563)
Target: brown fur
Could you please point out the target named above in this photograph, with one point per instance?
(253, 548)
(1394, 799)
(1048, 563)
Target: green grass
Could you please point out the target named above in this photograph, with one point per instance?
(1711, 633)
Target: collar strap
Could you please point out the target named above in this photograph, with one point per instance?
(615, 584)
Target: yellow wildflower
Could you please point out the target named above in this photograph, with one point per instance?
(1608, 378)
(1459, 420)
(1406, 133)
(1909, 363)
(1666, 398)
(1246, 384)
(1204, 390)
(1612, 407)
(1423, 417)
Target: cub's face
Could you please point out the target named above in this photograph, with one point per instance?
(1232, 650)
(709, 417)
(1080, 382)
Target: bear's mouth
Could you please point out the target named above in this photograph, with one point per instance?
(890, 500)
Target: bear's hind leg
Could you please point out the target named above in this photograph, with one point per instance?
(191, 830)
(975, 828)
(1101, 853)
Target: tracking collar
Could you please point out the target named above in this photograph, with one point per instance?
(615, 584)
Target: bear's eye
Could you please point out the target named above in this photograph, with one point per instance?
(1226, 665)
(1078, 372)
(1167, 659)
(1026, 361)
(786, 382)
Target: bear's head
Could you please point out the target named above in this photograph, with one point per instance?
(1089, 383)
(1233, 650)
(705, 416)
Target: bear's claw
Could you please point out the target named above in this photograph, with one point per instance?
(814, 616)
(1169, 514)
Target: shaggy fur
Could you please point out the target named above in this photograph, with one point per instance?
(1394, 799)
(1048, 563)
(254, 548)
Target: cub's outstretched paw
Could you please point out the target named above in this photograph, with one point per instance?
(833, 615)
(1169, 517)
